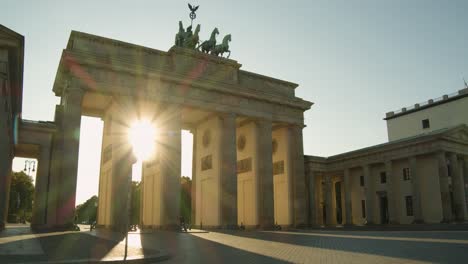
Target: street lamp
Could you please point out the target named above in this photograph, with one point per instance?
(29, 165)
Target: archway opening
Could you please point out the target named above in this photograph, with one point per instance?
(22, 192)
(89, 164)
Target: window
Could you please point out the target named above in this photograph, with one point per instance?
(409, 205)
(363, 208)
(406, 174)
(425, 123)
(361, 180)
(383, 177)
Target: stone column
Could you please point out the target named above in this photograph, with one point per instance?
(444, 187)
(121, 172)
(266, 213)
(328, 200)
(71, 123)
(170, 165)
(298, 176)
(40, 193)
(348, 199)
(5, 182)
(228, 169)
(458, 185)
(465, 177)
(416, 190)
(194, 176)
(312, 201)
(6, 140)
(370, 194)
(391, 193)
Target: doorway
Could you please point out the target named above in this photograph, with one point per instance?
(384, 210)
(339, 207)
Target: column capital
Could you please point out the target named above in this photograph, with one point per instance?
(327, 178)
(440, 153)
(366, 167)
(262, 120)
(288, 125)
(227, 115)
(73, 94)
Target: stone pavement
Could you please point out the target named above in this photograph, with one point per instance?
(311, 246)
(19, 245)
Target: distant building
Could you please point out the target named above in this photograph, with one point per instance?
(434, 114)
(419, 176)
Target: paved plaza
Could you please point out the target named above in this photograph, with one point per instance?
(197, 246)
(315, 247)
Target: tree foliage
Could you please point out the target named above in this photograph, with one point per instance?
(86, 212)
(21, 196)
(135, 203)
(186, 198)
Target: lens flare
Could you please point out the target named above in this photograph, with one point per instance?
(142, 136)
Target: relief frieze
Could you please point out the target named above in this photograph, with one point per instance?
(244, 165)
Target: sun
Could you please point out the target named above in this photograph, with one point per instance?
(142, 136)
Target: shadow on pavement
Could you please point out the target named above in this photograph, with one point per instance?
(72, 247)
(415, 250)
(185, 248)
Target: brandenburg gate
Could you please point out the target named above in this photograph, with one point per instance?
(248, 160)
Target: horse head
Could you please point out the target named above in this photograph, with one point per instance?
(214, 33)
(227, 38)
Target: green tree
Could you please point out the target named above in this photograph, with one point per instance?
(86, 212)
(135, 203)
(186, 198)
(21, 197)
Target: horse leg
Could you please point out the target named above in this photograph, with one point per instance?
(229, 54)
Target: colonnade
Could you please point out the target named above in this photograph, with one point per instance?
(246, 171)
(426, 188)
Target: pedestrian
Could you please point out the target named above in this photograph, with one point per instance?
(182, 223)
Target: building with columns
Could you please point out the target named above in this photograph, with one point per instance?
(249, 167)
(419, 176)
(11, 92)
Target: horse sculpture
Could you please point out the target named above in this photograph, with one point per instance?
(192, 40)
(223, 47)
(208, 45)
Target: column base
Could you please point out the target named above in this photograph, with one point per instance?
(173, 227)
(300, 226)
(225, 227)
(56, 228)
(267, 227)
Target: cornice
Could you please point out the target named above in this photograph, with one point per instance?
(88, 59)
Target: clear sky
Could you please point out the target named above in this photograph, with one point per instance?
(356, 60)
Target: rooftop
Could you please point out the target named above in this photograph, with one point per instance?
(427, 104)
